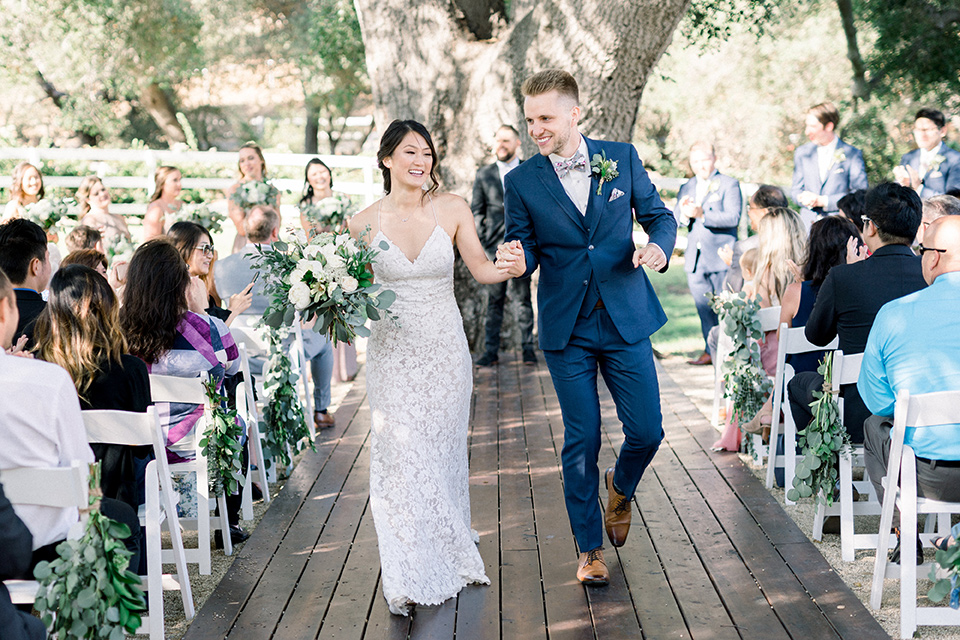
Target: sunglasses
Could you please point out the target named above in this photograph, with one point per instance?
(922, 249)
(206, 248)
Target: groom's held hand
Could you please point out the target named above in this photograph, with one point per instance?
(510, 259)
(650, 256)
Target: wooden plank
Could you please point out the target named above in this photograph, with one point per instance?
(565, 601)
(383, 625)
(340, 511)
(521, 589)
(435, 623)
(478, 607)
(226, 603)
(267, 603)
(839, 604)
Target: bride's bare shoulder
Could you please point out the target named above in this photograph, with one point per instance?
(362, 220)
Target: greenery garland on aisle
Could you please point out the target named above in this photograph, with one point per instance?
(945, 582)
(284, 426)
(821, 442)
(747, 383)
(221, 443)
(89, 591)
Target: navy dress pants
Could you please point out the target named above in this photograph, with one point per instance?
(631, 377)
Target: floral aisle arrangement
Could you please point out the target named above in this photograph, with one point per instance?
(945, 581)
(221, 443)
(253, 193)
(49, 211)
(329, 213)
(89, 591)
(326, 279)
(746, 382)
(283, 425)
(821, 442)
(199, 213)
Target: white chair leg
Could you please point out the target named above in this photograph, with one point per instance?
(818, 516)
(154, 579)
(773, 460)
(224, 525)
(908, 546)
(256, 453)
(789, 455)
(246, 494)
(883, 546)
(203, 519)
(846, 507)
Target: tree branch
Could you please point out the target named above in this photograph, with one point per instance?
(861, 88)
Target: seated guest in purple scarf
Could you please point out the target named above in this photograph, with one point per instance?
(164, 323)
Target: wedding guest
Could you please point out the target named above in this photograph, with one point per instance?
(88, 258)
(487, 207)
(26, 187)
(852, 206)
(709, 205)
(26, 261)
(851, 295)
(163, 320)
(94, 199)
(932, 168)
(83, 237)
(16, 547)
(765, 198)
(317, 187)
(253, 168)
(826, 168)
(80, 331)
(196, 248)
(914, 345)
(165, 199)
(41, 426)
(936, 207)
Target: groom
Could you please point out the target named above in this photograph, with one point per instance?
(572, 209)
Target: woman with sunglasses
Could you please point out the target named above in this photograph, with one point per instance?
(196, 247)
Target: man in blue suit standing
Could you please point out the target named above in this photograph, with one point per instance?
(826, 168)
(709, 205)
(932, 168)
(572, 209)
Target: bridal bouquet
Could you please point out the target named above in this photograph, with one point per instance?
(49, 211)
(254, 192)
(329, 213)
(326, 278)
(201, 214)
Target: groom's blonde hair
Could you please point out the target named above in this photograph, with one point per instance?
(551, 80)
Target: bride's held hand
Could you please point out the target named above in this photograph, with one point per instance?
(511, 259)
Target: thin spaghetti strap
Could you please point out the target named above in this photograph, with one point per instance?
(436, 220)
(379, 208)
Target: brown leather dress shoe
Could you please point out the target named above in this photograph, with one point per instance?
(702, 360)
(592, 570)
(323, 420)
(616, 516)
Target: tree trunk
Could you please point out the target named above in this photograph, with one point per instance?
(312, 128)
(460, 74)
(158, 104)
(58, 96)
(861, 88)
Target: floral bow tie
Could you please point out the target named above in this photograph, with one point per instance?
(577, 163)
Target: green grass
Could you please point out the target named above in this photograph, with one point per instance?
(681, 334)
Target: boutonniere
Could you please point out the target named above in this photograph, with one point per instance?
(935, 161)
(713, 186)
(839, 156)
(603, 168)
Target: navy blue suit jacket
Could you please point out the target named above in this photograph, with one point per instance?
(849, 174)
(938, 179)
(718, 225)
(574, 250)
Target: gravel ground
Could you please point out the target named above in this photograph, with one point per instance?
(697, 383)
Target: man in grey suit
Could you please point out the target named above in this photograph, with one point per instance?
(709, 205)
(237, 271)
(487, 206)
(826, 168)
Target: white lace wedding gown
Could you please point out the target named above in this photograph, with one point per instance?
(419, 381)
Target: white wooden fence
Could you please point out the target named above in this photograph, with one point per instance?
(99, 164)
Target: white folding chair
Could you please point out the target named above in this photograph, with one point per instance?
(62, 487)
(792, 342)
(915, 412)
(191, 391)
(143, 429)
(302, 366)
(247, 409)
(846, 370)
(249, 341)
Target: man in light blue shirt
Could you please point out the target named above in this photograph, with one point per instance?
(914, 344)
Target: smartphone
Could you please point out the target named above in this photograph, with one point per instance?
(255, 276)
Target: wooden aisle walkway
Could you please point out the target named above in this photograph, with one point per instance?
(711, 554)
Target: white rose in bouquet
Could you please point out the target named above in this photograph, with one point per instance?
(300, 295)
(349, 284)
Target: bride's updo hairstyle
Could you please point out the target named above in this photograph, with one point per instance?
(392, 138)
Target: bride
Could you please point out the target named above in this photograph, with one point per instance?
(420, 377)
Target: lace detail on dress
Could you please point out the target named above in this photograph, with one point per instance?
(419, 381)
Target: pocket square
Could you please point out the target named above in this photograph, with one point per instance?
(615, 194)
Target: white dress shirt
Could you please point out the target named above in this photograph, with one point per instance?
(576, 183)
(40, 426)
(506, 167)
(825, 157)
